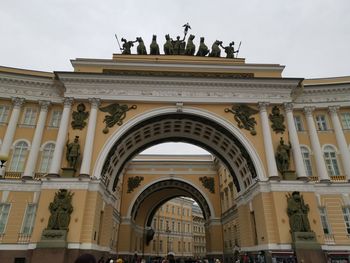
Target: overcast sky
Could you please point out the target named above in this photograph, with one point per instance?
(310, 37)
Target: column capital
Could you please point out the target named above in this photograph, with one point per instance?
(44, 105)
(288, 106)
(95, 102)
(308, 110)
(18, 102)
(333, 109)
(263, 105)
(67, 102)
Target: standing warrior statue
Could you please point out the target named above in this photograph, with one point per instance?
(73, 152)
(127, 46)
(229, 50)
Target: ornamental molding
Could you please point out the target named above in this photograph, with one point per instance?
(177, 89)
(325, 93)
(31, 88)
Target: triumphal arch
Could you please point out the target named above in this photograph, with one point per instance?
(72, 180)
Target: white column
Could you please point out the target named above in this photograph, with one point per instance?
(294, 140)
(341, 141)
(12, 125)
(90, 136)
(269, 152)
(61, 138)
(315, 144)
(38, 134)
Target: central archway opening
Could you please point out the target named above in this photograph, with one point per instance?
(180, 127)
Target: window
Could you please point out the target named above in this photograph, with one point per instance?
(4, 213)
(55, 118)
(46, 157)
(324, 220)
(161, 245)
(29, 217)
(18, 157)
(189, 247)
(178, 227)
(331, 161)
(173, 209)
(154, 224)
(179, 246)
(345, 120)
(154, 245)
(29, 116)
(346, 213)
(307, 160)
(167, 209)
(4, 113)
(167, 225)
(173, 226)
(178, 210)
(161, 225)
(298, 123)
(321, 123)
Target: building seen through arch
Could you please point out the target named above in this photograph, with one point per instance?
(275, 185)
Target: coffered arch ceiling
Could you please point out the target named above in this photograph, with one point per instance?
(180, 127)
(154, 196)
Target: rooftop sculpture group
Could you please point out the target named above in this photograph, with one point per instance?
(179, 46)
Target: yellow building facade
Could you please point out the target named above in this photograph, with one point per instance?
(132, 102)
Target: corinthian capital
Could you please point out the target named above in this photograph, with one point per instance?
(44, 105)
(333, 109)
(18, 102)
(67, 102)
(95, 102)
(288, 106)
(308, 111)
(263, 106)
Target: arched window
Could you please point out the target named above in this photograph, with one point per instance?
(307, 160)
(19, 157)
(330, 157)
(46, 157)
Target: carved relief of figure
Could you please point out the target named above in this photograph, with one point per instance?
(168, 46)
(117, 114)
(141, 48)
(243, 117)
(277, 120)
(79, 117)
(60, 209)
(190, 47)
(154, 47)
(203, 49)
(73, 152)
(283, 156)
(215, 49)
(297, 211)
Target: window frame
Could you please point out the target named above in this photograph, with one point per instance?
(306, 160)
(2, 204)
(50, 157)
(31, 227)
(4, 113)
(321, 124)
(346, 215)
(25, 151)
(32, 116)
(54, 119)
(345, 121)
(332, 164)
(298, 123)
(324, 220)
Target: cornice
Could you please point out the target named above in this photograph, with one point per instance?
(208, 90)
(30, 88)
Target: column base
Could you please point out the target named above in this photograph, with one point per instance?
(275, 178)
(53, 175)
(84, 176)
(27, 177)
(325, 180)
(303, 178)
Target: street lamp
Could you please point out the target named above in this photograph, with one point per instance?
(168, 233)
